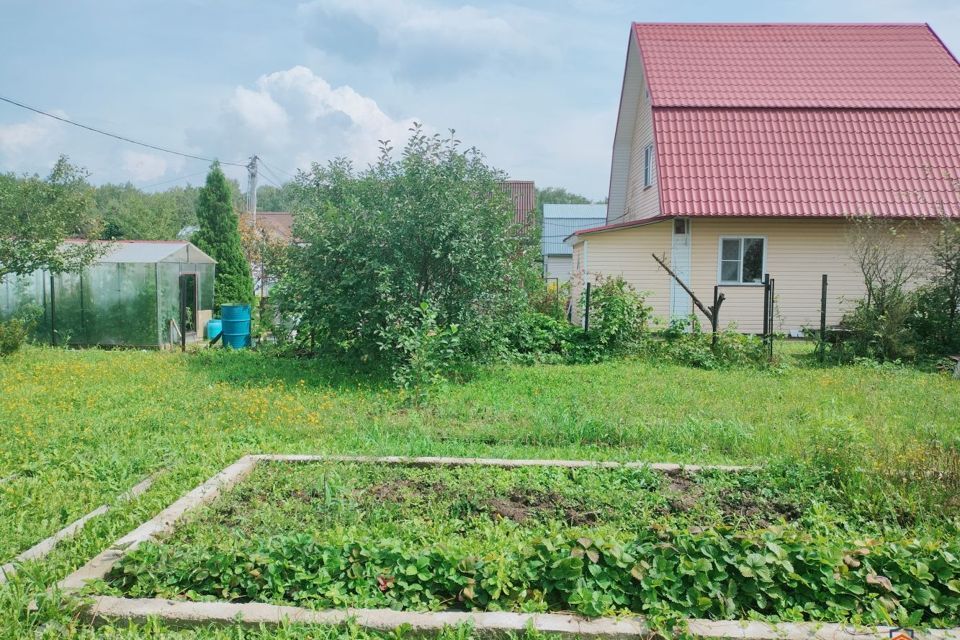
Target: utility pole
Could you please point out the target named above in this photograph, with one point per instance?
(252, 189)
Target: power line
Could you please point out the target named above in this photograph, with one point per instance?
(267, 178)
(272, 173)
(118, 137)
(275, 171)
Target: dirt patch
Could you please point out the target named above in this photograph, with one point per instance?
(400, 490)
(685, 495)
(520, 506)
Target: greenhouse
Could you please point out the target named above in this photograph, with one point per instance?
(139, 293)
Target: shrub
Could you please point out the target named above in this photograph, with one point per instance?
(13, 333)
(538, 337)
(618, 316)
(428, 350)
(431, 228)
(695, 348)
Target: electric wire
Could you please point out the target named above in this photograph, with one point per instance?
(117, 136)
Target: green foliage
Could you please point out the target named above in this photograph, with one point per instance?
(219, 237)
(38, 214)
(79, 427)
(17, 330)
(912, 306)
(428, 350)
(127, 213)
(485, 539)
(618, 315)
(557, 195)
(430, 227)
(277, 199)
(618, 325)
(694, 348)
(13, 333)
(619, 319)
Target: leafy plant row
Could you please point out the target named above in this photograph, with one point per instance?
(781, 574)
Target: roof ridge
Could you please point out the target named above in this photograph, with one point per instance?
(784, 24)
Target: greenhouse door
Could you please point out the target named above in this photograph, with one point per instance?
(188, 305)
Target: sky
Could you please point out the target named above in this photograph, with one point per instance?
(534, 85)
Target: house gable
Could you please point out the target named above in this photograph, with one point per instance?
(629, 198)
(837, 121)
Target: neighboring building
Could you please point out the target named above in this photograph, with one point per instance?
(277, 226)
(742, 150)
(130, 297)
(523, 193)
(559, 221)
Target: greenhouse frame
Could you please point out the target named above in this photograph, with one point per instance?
(137, 294)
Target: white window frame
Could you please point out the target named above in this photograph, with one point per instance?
(739, 282)
(648, 166)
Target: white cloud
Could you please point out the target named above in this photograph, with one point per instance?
(294, 115)
(143, 167)
(258, 109)
(21, 137)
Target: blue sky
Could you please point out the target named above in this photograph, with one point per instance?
(534, 85)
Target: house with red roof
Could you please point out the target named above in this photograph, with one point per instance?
(747, 149)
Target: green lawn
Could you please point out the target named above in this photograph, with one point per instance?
(79, 427)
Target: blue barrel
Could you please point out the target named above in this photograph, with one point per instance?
(236, 325)
(214, 327)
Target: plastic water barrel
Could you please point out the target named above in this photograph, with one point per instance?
(236, 325)
(214, 327)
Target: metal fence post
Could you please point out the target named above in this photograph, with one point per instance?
(586, 312)
(53, 314)
(183, 315)
(823, 318)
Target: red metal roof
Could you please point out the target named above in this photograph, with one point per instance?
(808, 162)
(803, 120)
(279, 224)
(798, 65)
(523, 193)
(619, 225)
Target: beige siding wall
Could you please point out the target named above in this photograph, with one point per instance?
(642, 202)
(626, 253)
(798, 252)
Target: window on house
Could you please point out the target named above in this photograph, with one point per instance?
(648, 165)
(741, 260)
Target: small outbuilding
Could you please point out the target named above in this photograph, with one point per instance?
(139, 293)
(559, 221)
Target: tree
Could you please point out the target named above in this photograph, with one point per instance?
(38, 214)
(219, 237)
(557, 195)
(131, 214)
(409, 262)
(276, 199)
(265, 250)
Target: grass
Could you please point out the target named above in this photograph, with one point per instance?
(79, 427)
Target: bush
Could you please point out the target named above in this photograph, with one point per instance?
(912, 306)
(431, 228)
(695, 348)
(428, 350)
(618, 316)
(13, 333)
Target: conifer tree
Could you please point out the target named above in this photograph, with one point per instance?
(219, 237)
